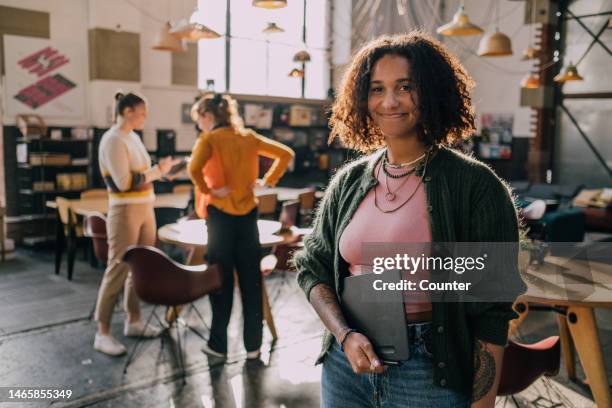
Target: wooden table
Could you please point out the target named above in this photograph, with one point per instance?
(285, 193)
(100, 205)
(193, 235)
(171, 200)
(574, 288)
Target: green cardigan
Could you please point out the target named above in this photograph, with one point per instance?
(467, 202)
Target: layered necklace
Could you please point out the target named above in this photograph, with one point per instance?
(411, 167)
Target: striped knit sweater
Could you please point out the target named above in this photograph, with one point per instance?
(126, 168)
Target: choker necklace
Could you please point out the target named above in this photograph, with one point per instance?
(399, 166)
(391, 195)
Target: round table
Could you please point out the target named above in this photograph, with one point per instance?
(193, 235)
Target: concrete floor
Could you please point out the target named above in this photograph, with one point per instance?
(46, 340)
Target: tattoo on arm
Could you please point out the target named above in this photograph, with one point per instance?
(325, 303)
(484, 371)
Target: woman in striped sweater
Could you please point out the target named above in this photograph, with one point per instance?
(126, 168)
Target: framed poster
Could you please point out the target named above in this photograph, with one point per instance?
(43, 77)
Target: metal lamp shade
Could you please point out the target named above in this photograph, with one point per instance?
(495, 44)
(193, 31)
(167, 42)
(529, 53)
(270, 4)
(460, 25)
(530, 81)
(296, 73)
(568, 73)
(272, 28)
(301, 56)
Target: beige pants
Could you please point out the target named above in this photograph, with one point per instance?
(128, 224)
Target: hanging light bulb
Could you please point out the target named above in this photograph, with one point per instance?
(296, 73)
(167, 42)
(192, 30)
(530, 81)
(272, 28)
(495, 44)
(568, 73)
(529, 53)
(301, 56)
(270, 4)
(460, 25)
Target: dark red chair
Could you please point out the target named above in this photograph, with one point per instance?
(160, 281)
(525, 363)
(94, 227)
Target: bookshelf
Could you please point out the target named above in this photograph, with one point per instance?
(38, 169)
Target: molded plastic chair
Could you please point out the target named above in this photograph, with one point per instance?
(94, 227)
(525, 363)
(267, 204)
(159, 280)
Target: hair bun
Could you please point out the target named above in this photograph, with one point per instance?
(119, 95)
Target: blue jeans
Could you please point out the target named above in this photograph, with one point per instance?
(407, 385)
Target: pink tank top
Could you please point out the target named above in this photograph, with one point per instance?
(408, 224)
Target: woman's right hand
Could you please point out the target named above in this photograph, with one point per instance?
(361, 355)
(220, 192)
(165, 164)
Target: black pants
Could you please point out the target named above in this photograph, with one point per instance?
(233, 242)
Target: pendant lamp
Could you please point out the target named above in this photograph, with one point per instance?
(301, 56)
(530, 81)
(272, 28)
(296, 73)
(192, 31)
(167, 42)
(495, 44)
(568, 73)
(270, 4)
(460, 25)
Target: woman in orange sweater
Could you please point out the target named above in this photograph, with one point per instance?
(224, 168)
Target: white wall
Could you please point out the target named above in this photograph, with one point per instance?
(70, 21)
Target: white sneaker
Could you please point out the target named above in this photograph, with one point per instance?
(207, 350)
(107, 344)
(138, 329)
(253, 355)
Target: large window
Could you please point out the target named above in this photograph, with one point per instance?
(259, 63)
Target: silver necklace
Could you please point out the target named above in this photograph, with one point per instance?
(411, 194)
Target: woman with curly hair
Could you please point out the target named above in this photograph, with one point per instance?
(403, 100)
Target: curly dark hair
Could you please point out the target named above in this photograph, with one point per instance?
(442, 84)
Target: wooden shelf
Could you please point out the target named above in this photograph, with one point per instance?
(30, 166)
(46, 140)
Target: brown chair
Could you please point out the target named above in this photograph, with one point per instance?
(94, 227)
(525, 363)
(182, 188)
(267, 204)
(94, 193)
(68, 232)
(307, 201)
(160, 281)
(280, 255)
